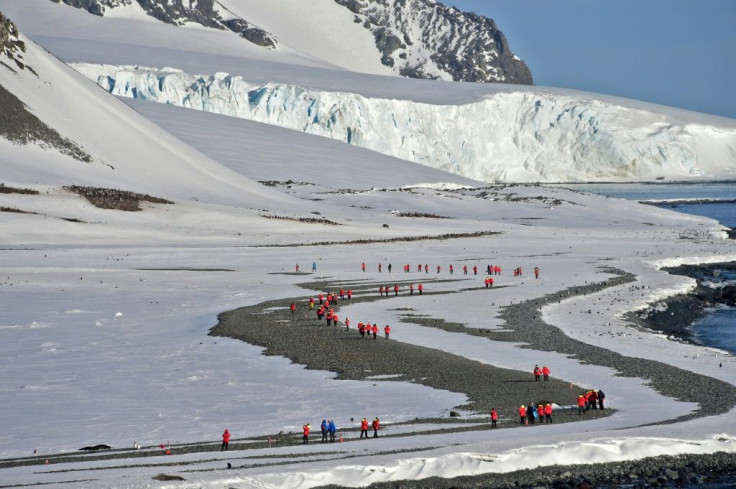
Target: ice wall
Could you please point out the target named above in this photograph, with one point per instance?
(518, 136)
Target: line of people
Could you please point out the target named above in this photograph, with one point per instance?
(396, 288)
(490, 269)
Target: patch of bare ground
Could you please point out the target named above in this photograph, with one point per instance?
(5, 189)
(439, 237)
(420, 214)
(107, 198)
(310, 220)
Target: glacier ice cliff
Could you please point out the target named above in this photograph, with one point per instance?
(512, 136)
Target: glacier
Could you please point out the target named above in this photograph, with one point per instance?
(514, 136)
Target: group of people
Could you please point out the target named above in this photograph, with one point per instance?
(387, 289)
(592, 399)
(376, 424)
(541, 372)
(314, 267)
(329, 429)
(532, 413)
(366, 330)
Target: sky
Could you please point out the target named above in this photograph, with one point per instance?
(672, 52)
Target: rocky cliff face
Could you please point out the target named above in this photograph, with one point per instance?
(11, 47)
(208, 13)
(425, 39)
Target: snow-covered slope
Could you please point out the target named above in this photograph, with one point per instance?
(516, 136)
(126, 150)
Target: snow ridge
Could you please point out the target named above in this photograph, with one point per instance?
(425, 39)
(208, 13)
(521, 136)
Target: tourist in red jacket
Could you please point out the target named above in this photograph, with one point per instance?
(364, 428)
(225, 440)
(494, 417)
(581, 404)
(374, 330)
(548, 413)
(545, 373)
(376, 425)
(305, 430)
(387, 331)
(522, 414)
(421, 289)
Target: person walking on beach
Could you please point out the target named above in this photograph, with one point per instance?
(305, 433)
(531, 413)
(537, 373)
(475, 269)
(536, 272)
(376, 424)
(380, 267)
(601, 397)
(293, 308)
(324, 429)
(545, 373)
(411, 289)
(387, 331)
(374, 330)
(465, 269)
(347, 324)
(426, 268)
(494, 417)
(297, 268)
(451, 269)
(311, 303)
(364, 428)
(421, 289)
(396, 290)
(389, 268)
(332, 429)
(522, 414)
(314, 266)
(548, 413)
(225, 440)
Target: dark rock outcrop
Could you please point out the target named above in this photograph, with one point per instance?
(465, 46)
(178, 12)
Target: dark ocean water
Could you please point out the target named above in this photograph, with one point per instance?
(718, 328)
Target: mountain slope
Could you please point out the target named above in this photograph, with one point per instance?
(425, 39)
(121, 148)
(414, 38)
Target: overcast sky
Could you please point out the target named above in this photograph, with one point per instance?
(673, 52)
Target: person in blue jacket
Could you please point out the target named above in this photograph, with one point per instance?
(323, 427)
(314, 266)
(332, 429)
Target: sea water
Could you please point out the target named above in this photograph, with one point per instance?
(714, 200)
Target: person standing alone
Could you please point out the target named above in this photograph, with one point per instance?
(225, 440)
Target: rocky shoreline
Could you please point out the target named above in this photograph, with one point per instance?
(688, 308)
